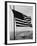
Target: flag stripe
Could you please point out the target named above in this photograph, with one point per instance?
(19, 25)
(19, 19)
(28, 19)
(24, 21)
(22, 26)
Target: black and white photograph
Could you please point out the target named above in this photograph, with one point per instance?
(20, 22)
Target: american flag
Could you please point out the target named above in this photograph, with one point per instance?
(21, 19)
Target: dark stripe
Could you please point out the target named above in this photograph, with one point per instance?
(23, 21)
(24, 24)
(21, 26)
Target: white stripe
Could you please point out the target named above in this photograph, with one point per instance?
(19, 19)
(22, 25)
(19, 24)
(22, 20)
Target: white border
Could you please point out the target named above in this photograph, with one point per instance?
(8, 35)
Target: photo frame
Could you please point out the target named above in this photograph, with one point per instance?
(20, 22)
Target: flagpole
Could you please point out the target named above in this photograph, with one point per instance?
(14, 22)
